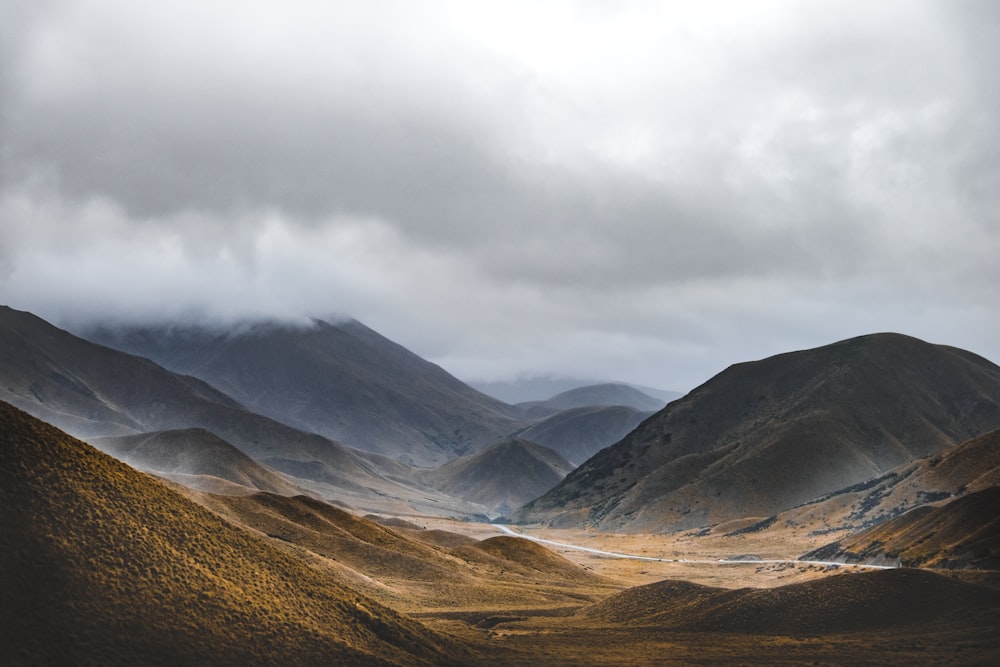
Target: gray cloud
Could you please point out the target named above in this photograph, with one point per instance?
(645, 191)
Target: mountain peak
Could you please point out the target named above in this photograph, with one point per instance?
(766, 435)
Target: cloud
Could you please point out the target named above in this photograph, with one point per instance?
(642, 190)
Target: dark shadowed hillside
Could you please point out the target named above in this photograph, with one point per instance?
(343, 381)
(102, 564)
(866, 602)
(765, 436)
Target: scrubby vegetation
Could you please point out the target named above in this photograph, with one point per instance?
(104, 565)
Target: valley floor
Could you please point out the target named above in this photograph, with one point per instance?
(560, 635)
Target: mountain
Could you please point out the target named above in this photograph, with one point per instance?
(964, 533)
(501, 477)
(535, 389)
(343, 381)
(92, 391)
(579, 433)
(196, 458)
(597, 395)
(762, 437)
(102, 564)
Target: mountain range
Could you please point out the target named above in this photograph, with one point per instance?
(92, 392)
(103, 564)
(340, 380)
(762, 437)
(245, 539)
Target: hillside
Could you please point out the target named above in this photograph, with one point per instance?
(579, 433)
(762, 437)
(971, 466)
(341, 380)
(963, 533)
(196, 458)
(104, 565)
(501, 477)
(92, 391)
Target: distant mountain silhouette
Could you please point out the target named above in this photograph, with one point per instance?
(765, 436)
(608, 394)
(341, 380)
(501, 477)
(579, 433)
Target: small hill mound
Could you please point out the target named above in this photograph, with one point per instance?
(102, 564)
(870, 601)
(964, 533)
(180, 454)
(519, 557)
(501, 477)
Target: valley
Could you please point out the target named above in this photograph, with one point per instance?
(827, 506)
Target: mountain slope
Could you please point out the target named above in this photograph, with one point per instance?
(579, 433)
(101, 564)
(971, 466)
(343, 381)
(765, 436)
(196, 458)
(964, 533)
(92, 391)
(502, 477)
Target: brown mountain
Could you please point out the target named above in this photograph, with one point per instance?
(196, 458)
(343, 381)
(579, 433)
(102, 564)
(964, 533)
(501, 477)
(765, 436)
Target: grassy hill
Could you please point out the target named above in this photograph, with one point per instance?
(102, 564)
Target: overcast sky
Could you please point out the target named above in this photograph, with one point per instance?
(641, 191)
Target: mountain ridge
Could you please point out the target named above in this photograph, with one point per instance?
(740, 444)
(341, 380)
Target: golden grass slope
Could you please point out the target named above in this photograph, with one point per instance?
(101, 564)
(964, 533)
